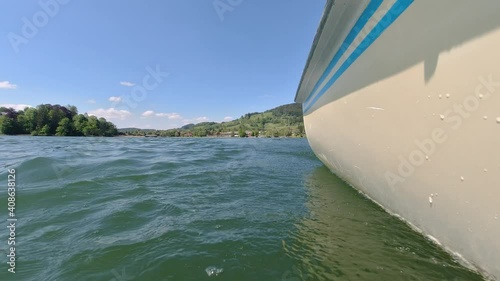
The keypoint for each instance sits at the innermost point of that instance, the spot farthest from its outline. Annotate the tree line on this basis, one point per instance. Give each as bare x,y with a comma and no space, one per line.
53,120
283,121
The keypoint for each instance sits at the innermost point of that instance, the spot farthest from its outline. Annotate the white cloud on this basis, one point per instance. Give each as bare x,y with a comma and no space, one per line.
91,101
148,113
151,113
16,106
115,99
228,118
169,115
202,119
111,113
127,84
7,85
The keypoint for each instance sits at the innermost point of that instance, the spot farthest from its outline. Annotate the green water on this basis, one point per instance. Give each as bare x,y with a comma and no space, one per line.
118,209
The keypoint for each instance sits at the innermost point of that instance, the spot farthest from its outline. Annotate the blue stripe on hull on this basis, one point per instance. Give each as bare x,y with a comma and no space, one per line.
360,24
387,20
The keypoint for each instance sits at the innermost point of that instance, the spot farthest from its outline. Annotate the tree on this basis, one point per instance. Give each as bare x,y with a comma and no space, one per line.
47,119
21,123
109,129
65,128
42,117
80,122
200,133
56,114
73,111
45,131
30,117
9,112
7,125
92,128
242,133
301,129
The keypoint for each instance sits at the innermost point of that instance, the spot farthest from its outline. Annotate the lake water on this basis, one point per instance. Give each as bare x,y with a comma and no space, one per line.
125,209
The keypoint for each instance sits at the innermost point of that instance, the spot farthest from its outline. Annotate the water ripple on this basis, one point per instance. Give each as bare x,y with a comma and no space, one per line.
192,209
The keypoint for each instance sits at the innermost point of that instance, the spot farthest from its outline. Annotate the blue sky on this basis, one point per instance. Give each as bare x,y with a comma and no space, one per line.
155,63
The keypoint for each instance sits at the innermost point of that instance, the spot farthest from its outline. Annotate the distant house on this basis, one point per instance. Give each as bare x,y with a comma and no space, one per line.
226,134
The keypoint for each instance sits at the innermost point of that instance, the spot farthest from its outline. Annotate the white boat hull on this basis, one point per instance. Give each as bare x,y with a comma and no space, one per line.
409,113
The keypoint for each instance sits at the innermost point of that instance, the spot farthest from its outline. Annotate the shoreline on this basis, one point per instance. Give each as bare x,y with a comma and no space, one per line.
192,137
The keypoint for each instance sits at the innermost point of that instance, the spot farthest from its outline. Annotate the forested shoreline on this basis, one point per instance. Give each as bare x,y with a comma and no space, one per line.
57,120
283,121
53,120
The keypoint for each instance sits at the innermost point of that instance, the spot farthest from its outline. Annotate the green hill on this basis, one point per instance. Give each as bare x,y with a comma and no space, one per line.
285,120
136,130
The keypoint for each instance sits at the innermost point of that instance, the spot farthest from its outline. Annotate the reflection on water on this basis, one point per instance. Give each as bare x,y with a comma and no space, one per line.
347,237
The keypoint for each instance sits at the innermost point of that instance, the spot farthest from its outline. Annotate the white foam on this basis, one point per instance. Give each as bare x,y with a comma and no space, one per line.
213,271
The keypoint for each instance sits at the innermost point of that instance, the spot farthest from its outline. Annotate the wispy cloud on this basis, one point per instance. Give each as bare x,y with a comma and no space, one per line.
151,113
148,113
111,113
202,119
91,101
127,84
169,115
7,85
228,118
115,99
16,106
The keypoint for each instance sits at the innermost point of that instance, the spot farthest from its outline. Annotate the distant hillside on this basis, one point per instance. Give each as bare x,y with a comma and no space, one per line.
292,109
285,120
132,130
